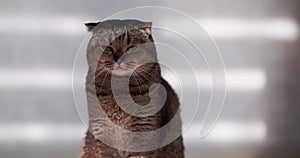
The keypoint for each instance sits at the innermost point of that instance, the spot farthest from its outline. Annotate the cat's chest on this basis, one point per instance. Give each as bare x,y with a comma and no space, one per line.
115,113
112,107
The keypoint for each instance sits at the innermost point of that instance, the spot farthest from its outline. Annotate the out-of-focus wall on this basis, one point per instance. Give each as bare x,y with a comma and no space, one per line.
259,42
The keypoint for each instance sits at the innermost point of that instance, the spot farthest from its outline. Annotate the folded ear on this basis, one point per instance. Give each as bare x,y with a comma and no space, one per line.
148,24
147,27
90,26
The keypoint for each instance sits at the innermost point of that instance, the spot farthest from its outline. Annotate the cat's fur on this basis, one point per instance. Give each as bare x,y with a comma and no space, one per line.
133,33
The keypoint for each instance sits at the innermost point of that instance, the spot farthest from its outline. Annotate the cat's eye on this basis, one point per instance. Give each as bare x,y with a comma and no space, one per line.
130,48
108,50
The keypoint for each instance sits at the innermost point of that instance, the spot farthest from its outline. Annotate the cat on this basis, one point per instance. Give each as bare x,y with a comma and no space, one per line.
114,50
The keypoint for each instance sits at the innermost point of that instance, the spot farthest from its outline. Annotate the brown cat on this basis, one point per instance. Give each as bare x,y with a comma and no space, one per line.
117,48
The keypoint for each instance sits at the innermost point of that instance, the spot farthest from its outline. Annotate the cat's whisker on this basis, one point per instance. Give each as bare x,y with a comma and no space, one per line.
145,75
99,73
145,78
141,69
140,72
104,79
140,80
137,82
130,64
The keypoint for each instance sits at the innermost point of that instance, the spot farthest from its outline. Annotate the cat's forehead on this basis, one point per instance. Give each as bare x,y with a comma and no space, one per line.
106,36
120,30
118,27
109,32
129,24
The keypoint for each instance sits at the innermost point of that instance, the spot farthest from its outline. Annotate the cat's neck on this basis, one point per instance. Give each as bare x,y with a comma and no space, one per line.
138,84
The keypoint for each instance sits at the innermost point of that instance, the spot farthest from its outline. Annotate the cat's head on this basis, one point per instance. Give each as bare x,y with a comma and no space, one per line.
121,47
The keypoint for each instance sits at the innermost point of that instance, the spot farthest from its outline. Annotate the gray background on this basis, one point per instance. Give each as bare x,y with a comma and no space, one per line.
259,42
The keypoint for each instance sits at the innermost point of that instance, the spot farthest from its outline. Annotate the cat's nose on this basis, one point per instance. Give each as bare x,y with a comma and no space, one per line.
117,55
120,60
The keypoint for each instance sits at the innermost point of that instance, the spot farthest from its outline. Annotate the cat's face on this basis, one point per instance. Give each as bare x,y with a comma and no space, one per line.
121,47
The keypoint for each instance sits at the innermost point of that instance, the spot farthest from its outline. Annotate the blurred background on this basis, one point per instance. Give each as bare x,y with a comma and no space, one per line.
258,39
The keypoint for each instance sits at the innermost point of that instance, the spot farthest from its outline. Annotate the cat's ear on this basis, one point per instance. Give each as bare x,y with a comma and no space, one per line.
147,28
90,26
